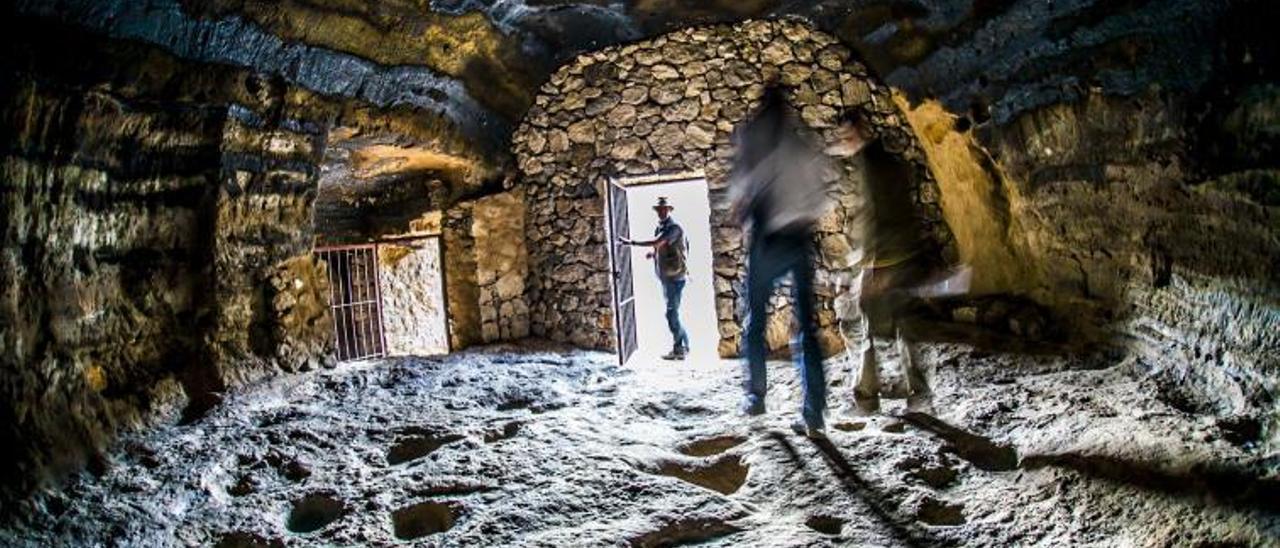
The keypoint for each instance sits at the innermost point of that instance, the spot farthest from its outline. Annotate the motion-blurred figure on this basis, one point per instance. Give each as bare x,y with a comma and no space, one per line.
778,195
670,263
895,267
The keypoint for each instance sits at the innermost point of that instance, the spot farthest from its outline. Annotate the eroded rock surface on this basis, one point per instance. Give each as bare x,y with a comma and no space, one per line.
655,455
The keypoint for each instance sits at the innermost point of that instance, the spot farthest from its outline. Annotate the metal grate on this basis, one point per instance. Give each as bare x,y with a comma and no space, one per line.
355,300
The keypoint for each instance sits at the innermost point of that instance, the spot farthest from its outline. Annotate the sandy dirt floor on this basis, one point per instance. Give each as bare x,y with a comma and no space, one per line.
546,446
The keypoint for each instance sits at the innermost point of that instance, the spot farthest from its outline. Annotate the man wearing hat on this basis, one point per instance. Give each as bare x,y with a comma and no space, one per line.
669,254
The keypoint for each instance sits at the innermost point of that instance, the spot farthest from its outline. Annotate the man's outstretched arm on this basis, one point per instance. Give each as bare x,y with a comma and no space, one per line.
645,243
659,243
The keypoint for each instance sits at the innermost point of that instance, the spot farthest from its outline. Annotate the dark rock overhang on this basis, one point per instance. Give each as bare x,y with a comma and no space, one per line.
456,76
477,63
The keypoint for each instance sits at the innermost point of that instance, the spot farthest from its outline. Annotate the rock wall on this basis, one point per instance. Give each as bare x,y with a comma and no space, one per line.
461,285
262,229
413,304
102,269
156,236
1142,215
670,105
502,265
1176,261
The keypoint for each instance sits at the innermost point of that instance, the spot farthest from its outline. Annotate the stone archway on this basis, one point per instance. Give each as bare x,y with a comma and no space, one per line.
670,105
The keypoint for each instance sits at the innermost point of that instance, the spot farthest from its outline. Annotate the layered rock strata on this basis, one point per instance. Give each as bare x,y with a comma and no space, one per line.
157,235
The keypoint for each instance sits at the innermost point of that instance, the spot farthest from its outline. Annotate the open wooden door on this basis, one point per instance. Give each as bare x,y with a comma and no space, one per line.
624,295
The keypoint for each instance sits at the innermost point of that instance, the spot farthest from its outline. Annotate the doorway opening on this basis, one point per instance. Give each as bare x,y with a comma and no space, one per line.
639,304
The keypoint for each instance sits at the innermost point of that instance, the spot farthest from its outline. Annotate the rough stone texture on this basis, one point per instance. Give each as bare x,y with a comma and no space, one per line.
1196,78
156,251
462,289
413,303
687,127
468,70
302,326
233,40
385,168
1130,237
1131,218
266,190
502,265
548,446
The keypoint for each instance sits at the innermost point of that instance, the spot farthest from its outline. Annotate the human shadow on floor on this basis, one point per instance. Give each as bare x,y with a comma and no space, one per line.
982,452
860,489
1236,487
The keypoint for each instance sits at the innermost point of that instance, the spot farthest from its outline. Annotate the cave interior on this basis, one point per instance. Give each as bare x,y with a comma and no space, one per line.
327,272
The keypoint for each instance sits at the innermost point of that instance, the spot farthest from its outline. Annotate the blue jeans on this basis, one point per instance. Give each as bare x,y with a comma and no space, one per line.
772,257
672,290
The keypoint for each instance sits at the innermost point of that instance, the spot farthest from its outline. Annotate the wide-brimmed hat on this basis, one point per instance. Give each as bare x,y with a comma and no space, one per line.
662,204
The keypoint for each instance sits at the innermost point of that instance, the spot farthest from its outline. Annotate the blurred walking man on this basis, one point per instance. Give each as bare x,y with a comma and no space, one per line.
669,256
895,266
778,194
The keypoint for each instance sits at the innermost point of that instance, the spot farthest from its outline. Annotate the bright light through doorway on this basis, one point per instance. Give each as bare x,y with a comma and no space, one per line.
693,212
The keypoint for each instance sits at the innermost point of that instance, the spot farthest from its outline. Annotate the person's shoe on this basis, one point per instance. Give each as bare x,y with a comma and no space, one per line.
674,355
811,432
751,408
865,407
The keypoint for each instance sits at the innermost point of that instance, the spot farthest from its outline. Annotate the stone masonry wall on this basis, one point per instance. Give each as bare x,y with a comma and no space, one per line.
670,105
502,264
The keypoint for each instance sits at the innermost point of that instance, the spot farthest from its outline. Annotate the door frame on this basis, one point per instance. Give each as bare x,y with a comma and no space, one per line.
626,182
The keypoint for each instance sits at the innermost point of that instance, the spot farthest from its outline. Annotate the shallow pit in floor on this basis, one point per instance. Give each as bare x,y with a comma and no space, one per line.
724,475
418,445
314,512
940,512
241,539
508,431
827,525
423,519
710,446
685,532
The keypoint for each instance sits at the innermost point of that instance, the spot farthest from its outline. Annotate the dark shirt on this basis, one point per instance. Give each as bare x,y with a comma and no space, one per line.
669,261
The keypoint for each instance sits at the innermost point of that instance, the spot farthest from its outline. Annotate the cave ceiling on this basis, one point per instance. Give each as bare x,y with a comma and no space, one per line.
471,68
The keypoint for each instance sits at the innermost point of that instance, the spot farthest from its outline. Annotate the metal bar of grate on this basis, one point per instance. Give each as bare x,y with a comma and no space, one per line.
355,300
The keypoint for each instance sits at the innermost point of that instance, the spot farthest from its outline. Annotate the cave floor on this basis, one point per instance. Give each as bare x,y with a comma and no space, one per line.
545,446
